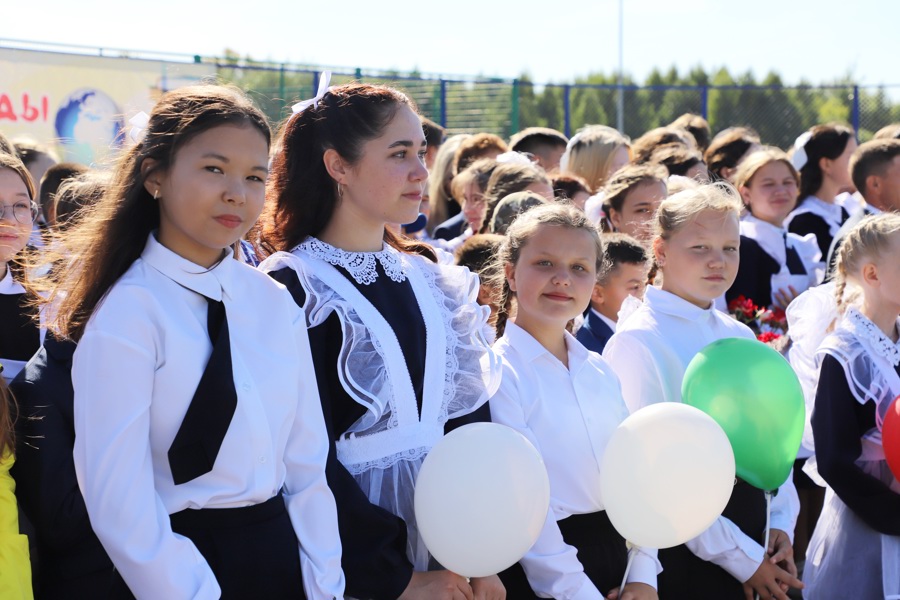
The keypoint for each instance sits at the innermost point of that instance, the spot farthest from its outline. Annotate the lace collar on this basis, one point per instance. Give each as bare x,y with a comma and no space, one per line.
871,334
361,265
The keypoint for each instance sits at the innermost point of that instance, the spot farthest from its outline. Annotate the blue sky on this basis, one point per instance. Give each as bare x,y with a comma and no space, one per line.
816,40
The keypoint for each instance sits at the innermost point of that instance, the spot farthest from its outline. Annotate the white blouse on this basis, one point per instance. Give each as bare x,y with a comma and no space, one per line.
650,352
135,372
582,404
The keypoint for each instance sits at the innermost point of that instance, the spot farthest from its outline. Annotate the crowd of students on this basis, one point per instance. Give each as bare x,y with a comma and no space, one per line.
226,358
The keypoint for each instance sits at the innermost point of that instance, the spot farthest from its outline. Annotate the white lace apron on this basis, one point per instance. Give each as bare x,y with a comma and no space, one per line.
846,558
384,449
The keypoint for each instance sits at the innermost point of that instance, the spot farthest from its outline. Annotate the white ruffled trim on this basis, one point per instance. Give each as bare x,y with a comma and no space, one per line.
830,213
360,265
471,372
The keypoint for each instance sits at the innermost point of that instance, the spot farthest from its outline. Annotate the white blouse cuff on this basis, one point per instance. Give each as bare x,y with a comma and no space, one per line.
644,569
587,591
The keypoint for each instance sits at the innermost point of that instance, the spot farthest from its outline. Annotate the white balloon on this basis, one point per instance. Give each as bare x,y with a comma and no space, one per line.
482,496
667,475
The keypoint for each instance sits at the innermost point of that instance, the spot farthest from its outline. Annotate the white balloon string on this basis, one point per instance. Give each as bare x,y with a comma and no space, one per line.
631,552
768,525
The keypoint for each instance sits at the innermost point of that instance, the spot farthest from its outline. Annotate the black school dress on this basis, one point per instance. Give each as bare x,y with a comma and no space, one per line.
401,356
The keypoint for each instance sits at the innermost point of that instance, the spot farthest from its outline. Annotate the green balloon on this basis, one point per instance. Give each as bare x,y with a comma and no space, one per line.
753,393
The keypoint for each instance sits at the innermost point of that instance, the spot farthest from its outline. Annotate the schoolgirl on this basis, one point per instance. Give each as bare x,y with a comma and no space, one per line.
855,548
697,248
399,341
631,198
22,335
728,149
553,388
200,444
15,566
822,157
775,265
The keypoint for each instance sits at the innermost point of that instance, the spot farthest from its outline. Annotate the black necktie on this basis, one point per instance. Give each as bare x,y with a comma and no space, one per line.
794,264
196,445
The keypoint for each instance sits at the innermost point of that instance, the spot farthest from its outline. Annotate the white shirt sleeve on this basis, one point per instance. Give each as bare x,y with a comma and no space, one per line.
551,565
636,370
113,379
724,544
645,567
307,496
785,508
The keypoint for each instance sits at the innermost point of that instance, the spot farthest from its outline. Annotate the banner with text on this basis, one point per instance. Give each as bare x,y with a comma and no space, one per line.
79,106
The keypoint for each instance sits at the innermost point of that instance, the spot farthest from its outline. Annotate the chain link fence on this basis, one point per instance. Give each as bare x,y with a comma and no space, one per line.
503,107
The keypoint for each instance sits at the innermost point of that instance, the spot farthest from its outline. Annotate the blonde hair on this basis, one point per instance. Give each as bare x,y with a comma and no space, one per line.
517,236
590,153
439,179
870,239
759,159
682,208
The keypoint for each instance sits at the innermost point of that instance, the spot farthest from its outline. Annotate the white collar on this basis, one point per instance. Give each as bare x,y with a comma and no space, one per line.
831,213
213,283
769,237
612,324
531,349
872,336
8,285
360,265
670,304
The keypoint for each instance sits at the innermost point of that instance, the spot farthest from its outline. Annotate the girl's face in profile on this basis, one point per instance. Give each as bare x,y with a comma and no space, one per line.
18,216
386,184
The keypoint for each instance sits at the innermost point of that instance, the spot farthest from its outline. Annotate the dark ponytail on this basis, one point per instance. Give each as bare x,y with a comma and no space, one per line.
827,141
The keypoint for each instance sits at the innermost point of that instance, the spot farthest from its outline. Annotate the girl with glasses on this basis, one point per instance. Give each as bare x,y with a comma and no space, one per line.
21,335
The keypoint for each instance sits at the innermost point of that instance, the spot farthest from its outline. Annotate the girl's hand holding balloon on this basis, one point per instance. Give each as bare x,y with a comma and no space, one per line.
781,552
771,581
635,591
488,588
437,585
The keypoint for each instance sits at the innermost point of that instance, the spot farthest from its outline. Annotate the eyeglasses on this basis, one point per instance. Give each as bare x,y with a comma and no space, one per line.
23,212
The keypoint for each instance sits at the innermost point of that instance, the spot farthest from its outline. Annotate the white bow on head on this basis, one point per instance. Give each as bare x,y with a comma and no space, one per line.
139,124
324,82
799,157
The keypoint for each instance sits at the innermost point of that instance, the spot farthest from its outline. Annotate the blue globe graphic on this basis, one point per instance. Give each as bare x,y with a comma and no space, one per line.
88,124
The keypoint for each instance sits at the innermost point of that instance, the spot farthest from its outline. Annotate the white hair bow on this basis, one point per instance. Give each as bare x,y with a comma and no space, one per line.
139,124
324,82
514,157
799,157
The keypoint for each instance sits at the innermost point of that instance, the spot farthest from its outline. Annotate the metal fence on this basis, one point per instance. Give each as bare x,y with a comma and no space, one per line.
504,106
778,113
